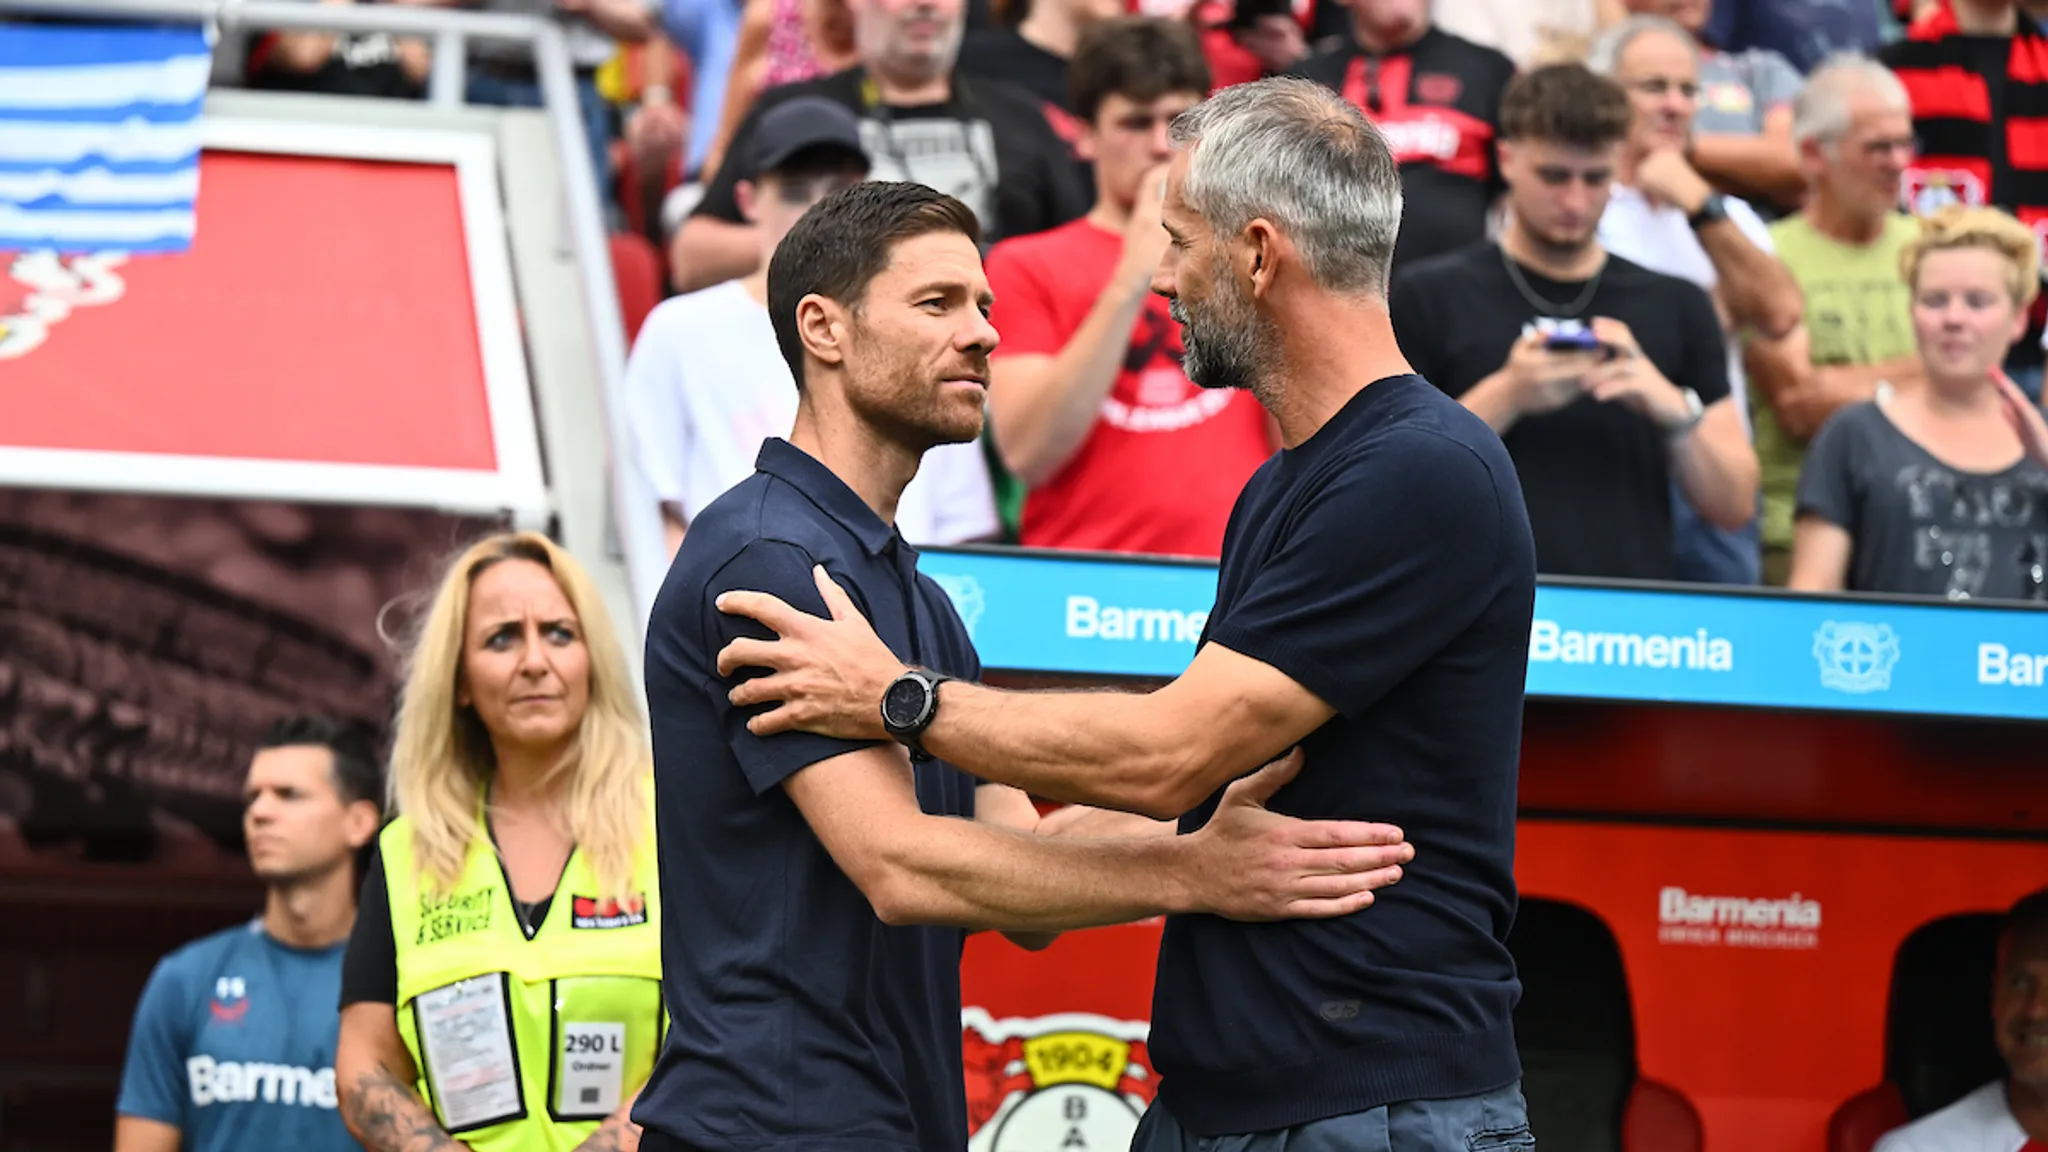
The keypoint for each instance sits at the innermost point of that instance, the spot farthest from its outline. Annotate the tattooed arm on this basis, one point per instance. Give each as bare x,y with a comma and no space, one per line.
618,1133
373,1077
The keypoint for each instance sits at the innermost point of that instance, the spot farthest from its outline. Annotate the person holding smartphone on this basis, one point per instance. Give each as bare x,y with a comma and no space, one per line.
1607,381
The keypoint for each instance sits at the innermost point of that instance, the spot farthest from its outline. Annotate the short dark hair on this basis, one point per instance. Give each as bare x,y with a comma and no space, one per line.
1564,104
1140,58
357,773
836,249
2028,918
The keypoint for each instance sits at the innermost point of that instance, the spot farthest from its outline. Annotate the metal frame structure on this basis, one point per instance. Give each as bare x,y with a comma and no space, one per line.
516,485
633,529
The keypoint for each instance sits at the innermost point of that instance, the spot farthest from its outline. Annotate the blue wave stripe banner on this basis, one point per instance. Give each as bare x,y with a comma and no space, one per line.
99,131
1091,615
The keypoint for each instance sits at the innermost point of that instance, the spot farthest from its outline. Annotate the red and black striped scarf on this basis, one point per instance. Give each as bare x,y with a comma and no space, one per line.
1952,119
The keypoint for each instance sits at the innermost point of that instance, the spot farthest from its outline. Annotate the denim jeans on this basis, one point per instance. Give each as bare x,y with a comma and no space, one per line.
1496,1121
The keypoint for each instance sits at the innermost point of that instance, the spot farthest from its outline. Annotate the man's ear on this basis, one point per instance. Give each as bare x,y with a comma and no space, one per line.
1084,143
744,194
1260,247
361,824
821,323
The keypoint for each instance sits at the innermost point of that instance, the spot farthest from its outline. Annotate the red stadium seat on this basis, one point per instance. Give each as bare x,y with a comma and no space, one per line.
636,267
1659,1118
1862,1118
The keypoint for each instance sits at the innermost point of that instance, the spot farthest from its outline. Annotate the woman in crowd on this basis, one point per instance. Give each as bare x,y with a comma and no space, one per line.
502,987
1931,491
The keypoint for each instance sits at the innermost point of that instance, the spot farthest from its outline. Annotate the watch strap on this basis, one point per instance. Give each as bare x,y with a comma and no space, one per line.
1713,209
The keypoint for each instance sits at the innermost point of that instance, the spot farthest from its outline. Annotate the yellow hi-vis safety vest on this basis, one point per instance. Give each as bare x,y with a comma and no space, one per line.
525,1045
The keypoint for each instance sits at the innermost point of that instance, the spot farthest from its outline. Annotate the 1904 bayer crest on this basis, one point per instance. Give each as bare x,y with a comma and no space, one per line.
1068,1082
1856,657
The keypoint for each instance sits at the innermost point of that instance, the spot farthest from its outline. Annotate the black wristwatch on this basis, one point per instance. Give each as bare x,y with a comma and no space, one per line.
1713,210
909,706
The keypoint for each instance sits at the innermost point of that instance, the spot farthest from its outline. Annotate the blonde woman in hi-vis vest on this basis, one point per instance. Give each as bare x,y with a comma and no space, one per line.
502,988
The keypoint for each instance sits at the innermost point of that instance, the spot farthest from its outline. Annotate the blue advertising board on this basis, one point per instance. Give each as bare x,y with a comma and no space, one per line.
1091,615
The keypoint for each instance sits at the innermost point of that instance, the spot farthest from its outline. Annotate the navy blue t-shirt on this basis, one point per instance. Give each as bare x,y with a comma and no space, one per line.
1387,566
800,1019
233,1045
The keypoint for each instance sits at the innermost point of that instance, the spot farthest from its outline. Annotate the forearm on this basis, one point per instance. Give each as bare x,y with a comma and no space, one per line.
1718,476
384,1114
974,876
1823,391
1042,417
1750,166
1492,400
707,251
1760,293
618,1133
1086,747
628,20
302,52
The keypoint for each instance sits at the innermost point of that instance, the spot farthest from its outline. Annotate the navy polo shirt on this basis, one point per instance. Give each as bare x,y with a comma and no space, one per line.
799,1019
1387,566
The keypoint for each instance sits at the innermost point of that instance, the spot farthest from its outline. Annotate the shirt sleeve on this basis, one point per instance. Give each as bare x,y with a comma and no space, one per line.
369,967
1777,81
1024,311
1826,488
1705,368
153,1078
784,571
1394,557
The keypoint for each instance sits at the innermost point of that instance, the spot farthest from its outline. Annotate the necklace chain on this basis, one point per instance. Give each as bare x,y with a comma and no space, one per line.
1545,307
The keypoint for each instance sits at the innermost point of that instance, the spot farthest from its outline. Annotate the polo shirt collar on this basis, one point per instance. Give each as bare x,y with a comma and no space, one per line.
808,475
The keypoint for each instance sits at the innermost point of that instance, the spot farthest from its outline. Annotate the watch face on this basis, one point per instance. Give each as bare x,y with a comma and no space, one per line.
903,703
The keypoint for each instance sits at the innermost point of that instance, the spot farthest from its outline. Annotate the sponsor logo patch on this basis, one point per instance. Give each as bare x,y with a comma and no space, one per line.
590,912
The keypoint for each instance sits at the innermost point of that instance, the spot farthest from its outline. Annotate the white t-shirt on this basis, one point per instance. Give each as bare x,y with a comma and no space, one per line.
1529,32
706,384
1660,239
1979,1122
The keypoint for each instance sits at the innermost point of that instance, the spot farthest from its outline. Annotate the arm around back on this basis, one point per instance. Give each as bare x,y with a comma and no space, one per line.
1246,864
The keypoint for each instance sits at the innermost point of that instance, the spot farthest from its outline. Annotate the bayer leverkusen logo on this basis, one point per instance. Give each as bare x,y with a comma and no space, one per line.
1073,1081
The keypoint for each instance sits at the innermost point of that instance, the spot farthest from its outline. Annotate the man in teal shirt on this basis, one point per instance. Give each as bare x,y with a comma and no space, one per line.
232,1048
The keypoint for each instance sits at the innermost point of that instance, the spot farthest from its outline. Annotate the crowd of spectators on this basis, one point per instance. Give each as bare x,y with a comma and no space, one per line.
1659,244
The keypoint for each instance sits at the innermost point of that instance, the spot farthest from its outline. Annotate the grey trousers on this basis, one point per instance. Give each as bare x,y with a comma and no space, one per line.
1496,1121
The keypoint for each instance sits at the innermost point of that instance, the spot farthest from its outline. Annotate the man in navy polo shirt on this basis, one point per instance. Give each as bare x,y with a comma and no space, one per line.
815,888
1373,607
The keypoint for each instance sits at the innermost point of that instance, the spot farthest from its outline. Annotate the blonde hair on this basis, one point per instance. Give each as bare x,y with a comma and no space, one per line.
1961,226
441,756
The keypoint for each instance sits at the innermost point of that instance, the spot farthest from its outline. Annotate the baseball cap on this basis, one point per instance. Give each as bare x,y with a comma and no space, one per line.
800,125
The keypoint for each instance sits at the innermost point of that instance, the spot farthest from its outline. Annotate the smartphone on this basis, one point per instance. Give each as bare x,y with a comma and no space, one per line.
1579,340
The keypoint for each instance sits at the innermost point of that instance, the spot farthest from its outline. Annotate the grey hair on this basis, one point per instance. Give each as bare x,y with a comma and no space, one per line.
1296,153
1821,110
1605,56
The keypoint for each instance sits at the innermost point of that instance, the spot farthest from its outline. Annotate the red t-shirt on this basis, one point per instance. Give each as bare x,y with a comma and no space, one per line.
1166,460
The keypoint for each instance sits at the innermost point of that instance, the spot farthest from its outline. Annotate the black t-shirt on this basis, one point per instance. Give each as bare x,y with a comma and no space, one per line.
1597,476
362,65
1387,566
1438,103
800,1019
990,146
1002,54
